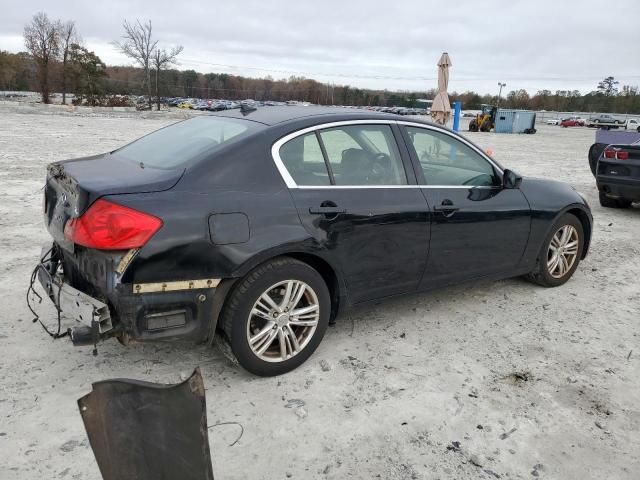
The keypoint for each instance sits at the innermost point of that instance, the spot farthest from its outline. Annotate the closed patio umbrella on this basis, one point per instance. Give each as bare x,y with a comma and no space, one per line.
441,108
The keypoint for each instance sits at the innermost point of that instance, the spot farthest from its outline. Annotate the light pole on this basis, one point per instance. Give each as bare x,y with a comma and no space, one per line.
500,84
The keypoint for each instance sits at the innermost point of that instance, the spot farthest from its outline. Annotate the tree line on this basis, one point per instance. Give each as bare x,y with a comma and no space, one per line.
56,60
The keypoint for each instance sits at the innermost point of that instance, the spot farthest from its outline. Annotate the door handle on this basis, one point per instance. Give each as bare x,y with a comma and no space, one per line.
326,210
446,207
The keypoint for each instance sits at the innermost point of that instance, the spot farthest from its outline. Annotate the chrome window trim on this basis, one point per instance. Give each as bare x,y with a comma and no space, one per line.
290,182
324,187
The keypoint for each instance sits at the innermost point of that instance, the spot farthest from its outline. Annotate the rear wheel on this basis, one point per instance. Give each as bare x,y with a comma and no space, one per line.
560,253
276,317
609,202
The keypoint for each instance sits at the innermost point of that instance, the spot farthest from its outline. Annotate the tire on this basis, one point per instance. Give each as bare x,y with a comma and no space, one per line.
473,126
552,276
486,127
239,322
608,202
638,129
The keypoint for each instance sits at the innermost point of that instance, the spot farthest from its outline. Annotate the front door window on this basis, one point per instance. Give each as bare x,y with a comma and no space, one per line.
446,160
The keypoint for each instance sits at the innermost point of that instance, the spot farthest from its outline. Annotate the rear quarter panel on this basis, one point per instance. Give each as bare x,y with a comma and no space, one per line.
241,180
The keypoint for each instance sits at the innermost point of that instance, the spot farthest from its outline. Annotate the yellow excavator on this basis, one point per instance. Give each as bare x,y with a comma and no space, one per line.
485,120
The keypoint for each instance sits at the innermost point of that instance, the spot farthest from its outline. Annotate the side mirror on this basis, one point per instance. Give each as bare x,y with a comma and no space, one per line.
511,179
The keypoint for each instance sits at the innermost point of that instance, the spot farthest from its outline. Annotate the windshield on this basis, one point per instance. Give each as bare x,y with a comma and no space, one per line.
186,141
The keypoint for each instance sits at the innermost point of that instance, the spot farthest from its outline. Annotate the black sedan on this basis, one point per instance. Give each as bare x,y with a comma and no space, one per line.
263,225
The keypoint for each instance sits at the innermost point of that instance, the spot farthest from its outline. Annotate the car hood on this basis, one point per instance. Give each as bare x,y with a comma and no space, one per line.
544,194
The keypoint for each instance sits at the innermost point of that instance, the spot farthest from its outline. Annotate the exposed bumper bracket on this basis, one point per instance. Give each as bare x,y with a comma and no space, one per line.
175,286
74,303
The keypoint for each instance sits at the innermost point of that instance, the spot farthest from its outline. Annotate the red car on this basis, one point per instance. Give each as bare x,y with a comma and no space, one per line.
572,122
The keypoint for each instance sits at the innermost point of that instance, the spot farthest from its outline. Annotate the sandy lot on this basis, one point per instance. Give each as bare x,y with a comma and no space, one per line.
490,380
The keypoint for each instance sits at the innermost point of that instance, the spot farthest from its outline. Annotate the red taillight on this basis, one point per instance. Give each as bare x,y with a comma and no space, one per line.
109,226
616,153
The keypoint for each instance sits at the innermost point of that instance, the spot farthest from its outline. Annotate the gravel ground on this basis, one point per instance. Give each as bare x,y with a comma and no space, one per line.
490,380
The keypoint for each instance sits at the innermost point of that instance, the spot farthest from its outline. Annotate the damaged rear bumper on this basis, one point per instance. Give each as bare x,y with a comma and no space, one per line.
93,315
85,286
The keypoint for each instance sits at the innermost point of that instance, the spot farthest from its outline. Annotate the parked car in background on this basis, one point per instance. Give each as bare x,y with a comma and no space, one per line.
553,121
632,124
201,105
217,106
573,121
618,175
604,119
262,225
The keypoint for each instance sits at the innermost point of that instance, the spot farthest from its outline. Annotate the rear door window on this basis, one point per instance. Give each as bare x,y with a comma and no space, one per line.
363,155
302,156
353,155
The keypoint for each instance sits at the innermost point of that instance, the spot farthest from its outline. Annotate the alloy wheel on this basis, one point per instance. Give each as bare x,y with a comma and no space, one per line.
283,320
563,251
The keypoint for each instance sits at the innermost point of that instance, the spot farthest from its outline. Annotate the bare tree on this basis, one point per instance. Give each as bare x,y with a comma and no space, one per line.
68,36
161,60
42,39
139,45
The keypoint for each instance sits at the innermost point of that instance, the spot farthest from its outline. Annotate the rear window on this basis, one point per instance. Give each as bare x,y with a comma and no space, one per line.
187,141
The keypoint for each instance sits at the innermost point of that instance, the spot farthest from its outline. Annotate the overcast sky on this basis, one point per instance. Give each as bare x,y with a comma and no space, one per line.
552,44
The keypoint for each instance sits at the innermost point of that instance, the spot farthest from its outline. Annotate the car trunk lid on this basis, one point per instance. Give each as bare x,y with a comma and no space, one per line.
73,185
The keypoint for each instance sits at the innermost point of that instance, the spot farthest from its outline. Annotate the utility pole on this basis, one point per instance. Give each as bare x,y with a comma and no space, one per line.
500,84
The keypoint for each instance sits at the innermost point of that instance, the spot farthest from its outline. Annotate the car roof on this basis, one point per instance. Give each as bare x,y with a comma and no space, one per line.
273,115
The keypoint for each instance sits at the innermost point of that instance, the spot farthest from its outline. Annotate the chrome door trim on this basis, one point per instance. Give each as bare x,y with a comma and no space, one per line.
290,182
334,187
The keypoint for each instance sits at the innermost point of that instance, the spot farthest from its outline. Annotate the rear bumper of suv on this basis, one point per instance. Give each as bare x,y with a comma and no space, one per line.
95,310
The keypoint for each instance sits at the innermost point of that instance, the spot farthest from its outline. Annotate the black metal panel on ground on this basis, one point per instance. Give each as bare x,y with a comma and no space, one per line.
147,431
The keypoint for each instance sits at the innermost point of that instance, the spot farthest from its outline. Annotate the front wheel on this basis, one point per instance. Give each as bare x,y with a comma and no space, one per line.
276,317
473,126
560,253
